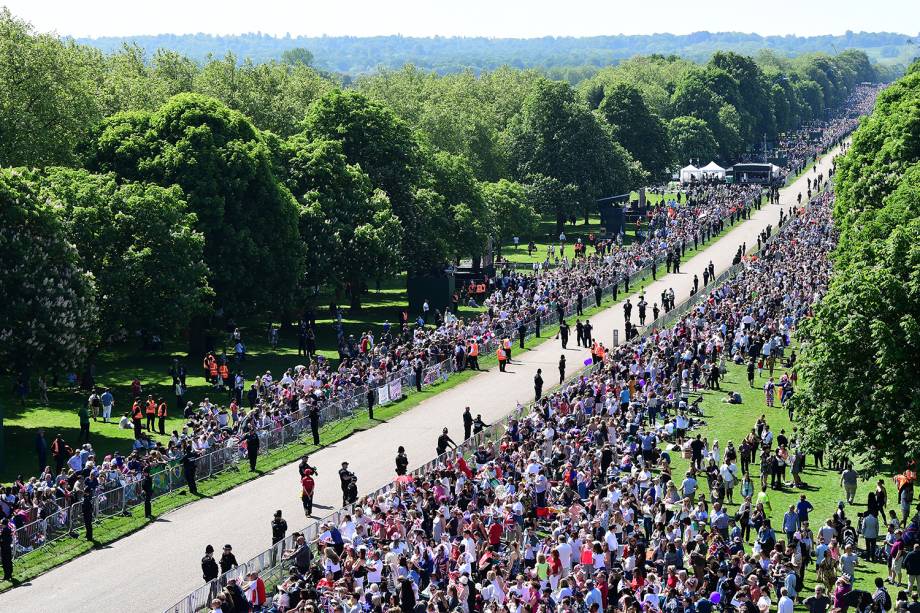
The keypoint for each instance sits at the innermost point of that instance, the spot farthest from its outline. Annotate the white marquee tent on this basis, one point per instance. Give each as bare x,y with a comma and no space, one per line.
690,173
712,171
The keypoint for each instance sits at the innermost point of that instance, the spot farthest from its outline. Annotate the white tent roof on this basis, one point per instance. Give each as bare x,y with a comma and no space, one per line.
690,168
712,166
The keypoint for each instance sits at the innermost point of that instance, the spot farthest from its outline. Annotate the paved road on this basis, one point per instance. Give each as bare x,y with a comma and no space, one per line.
156,566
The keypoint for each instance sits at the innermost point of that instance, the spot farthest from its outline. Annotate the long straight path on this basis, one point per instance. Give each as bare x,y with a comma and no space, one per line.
154,567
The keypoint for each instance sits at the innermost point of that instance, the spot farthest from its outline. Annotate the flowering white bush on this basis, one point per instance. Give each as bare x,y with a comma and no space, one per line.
48,315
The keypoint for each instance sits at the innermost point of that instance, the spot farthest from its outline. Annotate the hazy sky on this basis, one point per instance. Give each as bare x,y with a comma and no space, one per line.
496,18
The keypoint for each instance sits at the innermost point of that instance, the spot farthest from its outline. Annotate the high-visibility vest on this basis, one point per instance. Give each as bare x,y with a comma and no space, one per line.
136,412
213,369
474,349
161,410
224,372
151,407
501,354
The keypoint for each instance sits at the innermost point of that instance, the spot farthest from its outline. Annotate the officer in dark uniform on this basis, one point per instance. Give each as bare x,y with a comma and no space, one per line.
304,466
346,477
87,508
538,384
279,527
561,369
314,423
6,551
147,487
444,441
402,461
467,423
189,464
564,333
252,447
209,570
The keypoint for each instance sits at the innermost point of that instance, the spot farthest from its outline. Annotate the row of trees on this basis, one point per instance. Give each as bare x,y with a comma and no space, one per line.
175,191
862,347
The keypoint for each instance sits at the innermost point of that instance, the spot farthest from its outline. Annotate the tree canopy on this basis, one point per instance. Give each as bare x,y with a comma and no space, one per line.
219,159
863,343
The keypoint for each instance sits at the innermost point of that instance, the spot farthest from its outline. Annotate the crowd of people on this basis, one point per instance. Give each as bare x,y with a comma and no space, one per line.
575,505
813,138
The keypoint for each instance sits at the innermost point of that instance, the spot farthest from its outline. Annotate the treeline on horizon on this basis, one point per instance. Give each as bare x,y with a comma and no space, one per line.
861,349
567,58
149,194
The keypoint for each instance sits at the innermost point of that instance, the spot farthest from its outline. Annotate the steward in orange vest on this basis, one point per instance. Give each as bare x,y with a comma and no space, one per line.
151,412
472,360
137,416
161,416
502,359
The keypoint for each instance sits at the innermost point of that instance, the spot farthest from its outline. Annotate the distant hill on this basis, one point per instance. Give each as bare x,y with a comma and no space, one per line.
352,55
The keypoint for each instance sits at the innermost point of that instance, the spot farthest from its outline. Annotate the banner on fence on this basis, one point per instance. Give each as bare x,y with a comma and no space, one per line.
395,389
383,394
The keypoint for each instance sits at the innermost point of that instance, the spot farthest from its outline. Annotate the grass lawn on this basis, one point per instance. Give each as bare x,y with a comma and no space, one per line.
727,422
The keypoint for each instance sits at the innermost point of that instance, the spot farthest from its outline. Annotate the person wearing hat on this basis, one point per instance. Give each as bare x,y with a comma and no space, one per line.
209,570
279,527
227,560
346,479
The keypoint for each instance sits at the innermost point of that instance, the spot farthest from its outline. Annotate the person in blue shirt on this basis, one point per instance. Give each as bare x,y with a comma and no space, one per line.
624,399
790,523
593,595
803,507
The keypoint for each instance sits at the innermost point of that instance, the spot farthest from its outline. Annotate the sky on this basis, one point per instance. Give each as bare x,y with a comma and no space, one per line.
492,18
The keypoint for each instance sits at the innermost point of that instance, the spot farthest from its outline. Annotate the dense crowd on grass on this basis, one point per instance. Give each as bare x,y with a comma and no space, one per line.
575,506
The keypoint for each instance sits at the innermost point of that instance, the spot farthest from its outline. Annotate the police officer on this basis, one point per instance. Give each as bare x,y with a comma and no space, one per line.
189,465
538,384
252,447
444,441
561,369
346,477
564,333
304,466
314,423
209,570
6,551
87,508
467,423
402,461
147,487
279,527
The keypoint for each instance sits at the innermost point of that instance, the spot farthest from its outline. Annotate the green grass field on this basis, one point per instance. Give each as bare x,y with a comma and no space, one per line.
728,422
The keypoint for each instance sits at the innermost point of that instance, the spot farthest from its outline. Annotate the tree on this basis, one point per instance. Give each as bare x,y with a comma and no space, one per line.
453,178
861,347
350,231
691,139
550,196
297,55
47,96
224,168
373,138
555,135
640,131
48,314
510,210
139,243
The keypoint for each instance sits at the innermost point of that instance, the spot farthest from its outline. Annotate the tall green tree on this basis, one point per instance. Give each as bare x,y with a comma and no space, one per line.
349,230
861,348
48,315
691,140
549,196
219,159
555,135
375,139
139,243
510,210
635,127
48,99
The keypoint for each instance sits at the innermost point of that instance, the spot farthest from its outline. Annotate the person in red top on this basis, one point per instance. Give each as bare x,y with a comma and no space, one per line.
306,496
495,535
255,591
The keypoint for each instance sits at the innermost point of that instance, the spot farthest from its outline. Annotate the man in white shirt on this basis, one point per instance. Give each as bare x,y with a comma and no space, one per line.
565,554
785,604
